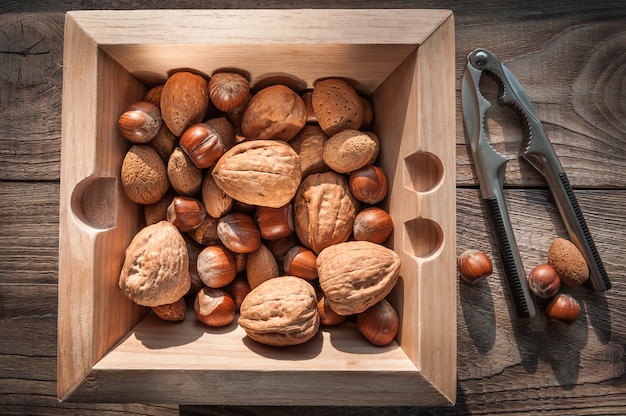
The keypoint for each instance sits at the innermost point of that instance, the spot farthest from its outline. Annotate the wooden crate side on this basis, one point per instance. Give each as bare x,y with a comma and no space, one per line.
323,26
92,314
75,324
437,294
415,117
113,313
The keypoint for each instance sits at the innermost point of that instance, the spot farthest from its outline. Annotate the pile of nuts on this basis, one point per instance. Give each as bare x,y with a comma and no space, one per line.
262,205
565,267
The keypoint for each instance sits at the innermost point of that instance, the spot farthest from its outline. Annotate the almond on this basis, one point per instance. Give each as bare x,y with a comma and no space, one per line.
144,175
568,262
184,101
337,106
349,150
275,112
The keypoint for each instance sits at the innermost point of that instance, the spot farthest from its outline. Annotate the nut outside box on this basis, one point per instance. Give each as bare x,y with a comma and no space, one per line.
111,350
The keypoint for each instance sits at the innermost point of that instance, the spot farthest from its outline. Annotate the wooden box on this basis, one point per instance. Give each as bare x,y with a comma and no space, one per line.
111,350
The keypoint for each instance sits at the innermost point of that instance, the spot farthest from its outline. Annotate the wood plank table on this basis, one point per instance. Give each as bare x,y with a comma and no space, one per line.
571,58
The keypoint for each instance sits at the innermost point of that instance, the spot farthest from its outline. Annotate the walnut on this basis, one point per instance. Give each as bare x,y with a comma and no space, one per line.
356,275
281,312
156,266
324,210
259,172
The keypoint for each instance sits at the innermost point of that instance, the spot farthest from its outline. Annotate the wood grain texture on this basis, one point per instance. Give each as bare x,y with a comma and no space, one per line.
580,104
570,58
504,365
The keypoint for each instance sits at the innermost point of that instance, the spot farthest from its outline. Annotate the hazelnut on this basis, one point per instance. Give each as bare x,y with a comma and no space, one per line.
154,96
328,316
171,311
275,223
368,113
543,281
379,323
164,142
193,251
301,262
140,122
217,266
206,232
369,184
235,115
239,289
228,90
203,144
563,308
568,262
238,232
214,307
156,212
372,224
186,213
280,247
307,97
474,265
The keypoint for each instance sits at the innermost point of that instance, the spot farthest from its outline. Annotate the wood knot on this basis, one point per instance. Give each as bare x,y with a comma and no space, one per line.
598,90
24,55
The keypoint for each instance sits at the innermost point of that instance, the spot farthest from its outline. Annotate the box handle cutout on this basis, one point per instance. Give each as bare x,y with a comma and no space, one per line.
94,202
423,171
422,237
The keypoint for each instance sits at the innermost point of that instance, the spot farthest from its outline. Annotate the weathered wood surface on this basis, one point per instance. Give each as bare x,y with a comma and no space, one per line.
571,58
